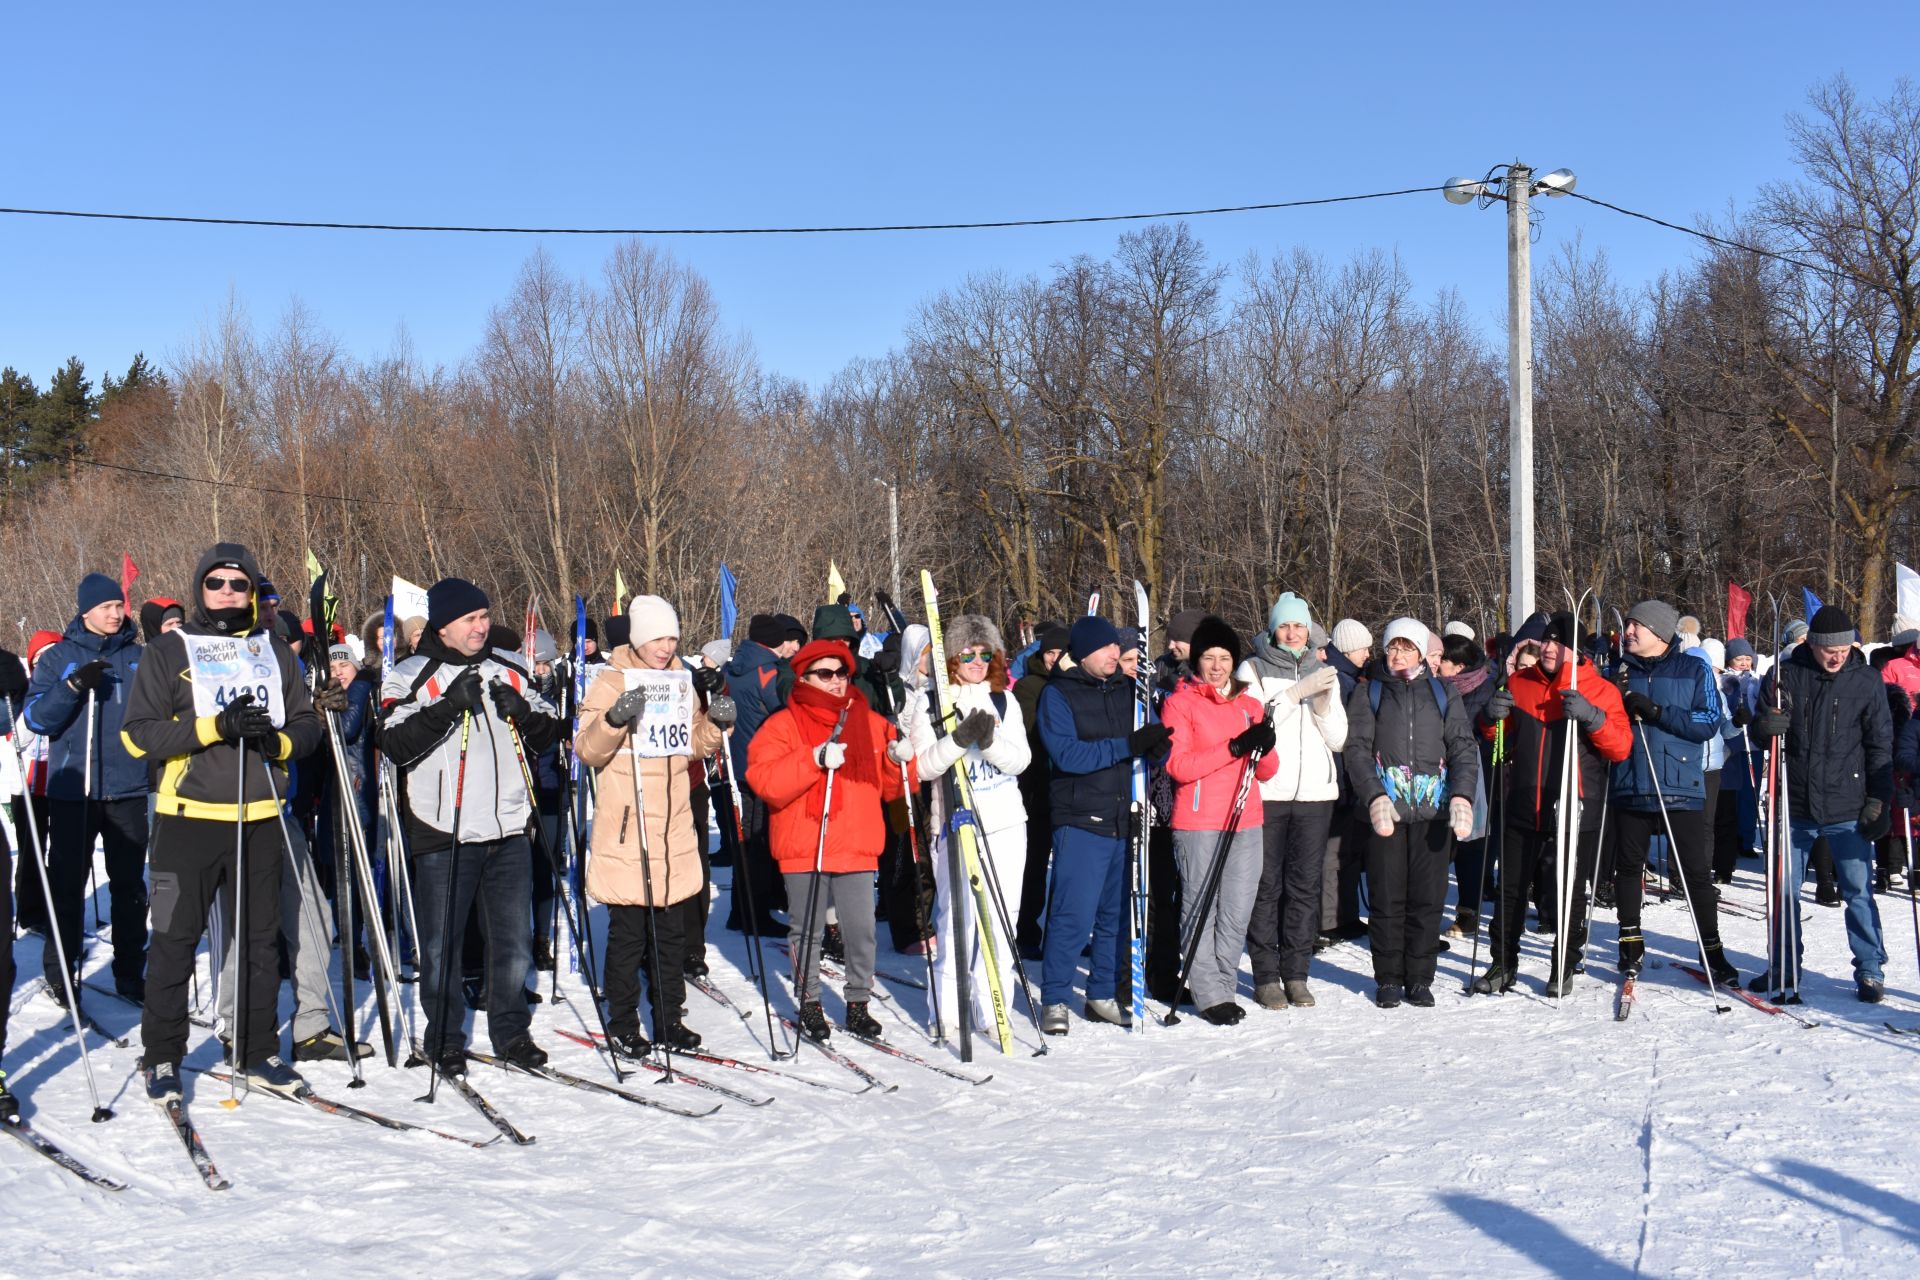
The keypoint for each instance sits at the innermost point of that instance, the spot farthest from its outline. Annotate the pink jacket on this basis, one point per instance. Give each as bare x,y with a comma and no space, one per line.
1206,774
1904,674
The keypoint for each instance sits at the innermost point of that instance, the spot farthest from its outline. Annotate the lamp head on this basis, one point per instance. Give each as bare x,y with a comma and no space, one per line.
1560,182
1463,190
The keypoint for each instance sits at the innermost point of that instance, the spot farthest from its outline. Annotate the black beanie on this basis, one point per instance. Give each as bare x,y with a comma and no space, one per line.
1181,625
1562,627
763,629
1212,633
452,598
790,628
619,628
1829,627
1052,636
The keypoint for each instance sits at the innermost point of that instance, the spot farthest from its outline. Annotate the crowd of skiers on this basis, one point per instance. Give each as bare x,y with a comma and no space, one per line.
1286,794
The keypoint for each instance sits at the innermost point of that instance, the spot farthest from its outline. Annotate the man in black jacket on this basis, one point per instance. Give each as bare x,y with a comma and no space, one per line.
1839,743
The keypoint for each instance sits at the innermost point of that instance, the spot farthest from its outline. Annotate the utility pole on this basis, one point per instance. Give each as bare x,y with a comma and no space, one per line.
1520,394
893,531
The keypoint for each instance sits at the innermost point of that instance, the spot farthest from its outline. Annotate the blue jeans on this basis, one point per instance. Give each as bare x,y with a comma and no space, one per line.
498,872
1088,894
1853,871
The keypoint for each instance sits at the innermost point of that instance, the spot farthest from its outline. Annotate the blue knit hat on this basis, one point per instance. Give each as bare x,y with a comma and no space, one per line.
95,590
1288,608
1089,635
1740,647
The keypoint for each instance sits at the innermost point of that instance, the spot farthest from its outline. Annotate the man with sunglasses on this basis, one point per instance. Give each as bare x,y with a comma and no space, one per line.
221,705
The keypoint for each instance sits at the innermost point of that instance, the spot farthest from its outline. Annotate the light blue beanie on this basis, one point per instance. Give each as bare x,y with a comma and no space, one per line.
1288,608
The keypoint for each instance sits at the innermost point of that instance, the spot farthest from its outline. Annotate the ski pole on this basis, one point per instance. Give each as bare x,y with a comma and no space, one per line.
926,943
238,1055
810,927
1498,803
743,881
1913,895
93,887
362,872
991,874
1706,966
657,977
447,949
1211,886
100,1113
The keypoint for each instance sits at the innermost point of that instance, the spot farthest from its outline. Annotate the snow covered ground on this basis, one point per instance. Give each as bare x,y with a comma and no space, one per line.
1486,1136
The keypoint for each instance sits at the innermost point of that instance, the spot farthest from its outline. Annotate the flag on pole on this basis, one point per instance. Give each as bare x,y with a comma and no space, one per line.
128,572
314,569
729,612
1738,602
836,585
619,592
409,601
1907,595
1811,603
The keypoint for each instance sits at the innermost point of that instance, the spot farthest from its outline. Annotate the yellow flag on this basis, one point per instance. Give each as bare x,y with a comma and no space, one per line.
619,592
835,583
314,570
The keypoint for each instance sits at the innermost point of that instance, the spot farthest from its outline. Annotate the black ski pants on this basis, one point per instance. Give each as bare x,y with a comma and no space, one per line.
1527,865
1690,859
631,933
1286,909
29,902
1406,893
121,827
193,860
768,888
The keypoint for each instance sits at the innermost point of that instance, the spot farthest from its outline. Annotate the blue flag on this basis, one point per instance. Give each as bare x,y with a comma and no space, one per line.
728,613
1812,603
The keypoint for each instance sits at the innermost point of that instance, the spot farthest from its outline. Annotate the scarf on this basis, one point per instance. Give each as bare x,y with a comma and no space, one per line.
1467,681
815,711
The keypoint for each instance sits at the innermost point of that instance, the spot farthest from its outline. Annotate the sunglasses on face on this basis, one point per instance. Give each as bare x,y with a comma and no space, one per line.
228,584
827,675
977,655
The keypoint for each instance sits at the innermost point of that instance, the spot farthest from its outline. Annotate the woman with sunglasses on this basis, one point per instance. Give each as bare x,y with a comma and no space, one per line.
984,733
827,857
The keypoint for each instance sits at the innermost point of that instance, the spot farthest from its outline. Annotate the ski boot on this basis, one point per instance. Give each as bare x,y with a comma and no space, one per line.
9,1105
695,967
452,1061
833,946
1055,1020
1633,952
163,1083
1723,973
328,1046
629,1043
1870,990
678,1036
1223,1015
274,1075
860,1022
1498,979
521,1051
1560,984
814,1022
1107,1011
543,955
1388,995
1420,995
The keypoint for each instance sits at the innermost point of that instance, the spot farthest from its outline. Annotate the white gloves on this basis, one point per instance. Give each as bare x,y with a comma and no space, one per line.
900,751
1381,812
1310,686
1460,810
831,755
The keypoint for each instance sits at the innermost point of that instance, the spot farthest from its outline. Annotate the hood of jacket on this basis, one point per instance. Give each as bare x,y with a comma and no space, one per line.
205,623
1272,662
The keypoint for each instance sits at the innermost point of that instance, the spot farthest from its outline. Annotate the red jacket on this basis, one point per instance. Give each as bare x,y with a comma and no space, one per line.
782,771
1205,772
1536,739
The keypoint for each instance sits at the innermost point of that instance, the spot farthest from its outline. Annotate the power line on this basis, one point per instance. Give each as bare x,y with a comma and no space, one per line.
304,225
1725,243
285,493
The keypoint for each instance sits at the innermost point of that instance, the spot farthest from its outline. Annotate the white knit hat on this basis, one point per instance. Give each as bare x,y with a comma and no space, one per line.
1716,653
1411,630
650,618
1458,628
1349,635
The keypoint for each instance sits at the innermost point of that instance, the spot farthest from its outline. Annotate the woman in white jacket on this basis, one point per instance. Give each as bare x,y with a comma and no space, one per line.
1310,728
990,737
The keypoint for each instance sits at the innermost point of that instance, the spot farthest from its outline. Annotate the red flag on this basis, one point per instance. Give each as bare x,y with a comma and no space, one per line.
1737,602
128,572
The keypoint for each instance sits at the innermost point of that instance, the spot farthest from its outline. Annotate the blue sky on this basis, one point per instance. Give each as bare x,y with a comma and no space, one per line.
747,114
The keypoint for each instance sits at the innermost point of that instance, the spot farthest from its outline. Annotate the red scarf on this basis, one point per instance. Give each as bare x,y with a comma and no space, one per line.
816,711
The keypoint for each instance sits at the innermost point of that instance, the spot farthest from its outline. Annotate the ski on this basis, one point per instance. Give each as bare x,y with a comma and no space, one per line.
834,973
1623,1003
1764,1006
479,1103
706,988
745,1099
916,1060
572,1081
86,1019
714,1059
1142,812
1901,1031
38,1142
176,1114
838,1058
341,1109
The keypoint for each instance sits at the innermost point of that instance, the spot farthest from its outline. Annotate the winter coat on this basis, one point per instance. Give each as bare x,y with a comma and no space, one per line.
1205,772
1349,674
1840,742
423,736
1084,725
1036,778
1682,686
759,682
993,772
58,714
614,874
1903,673
1536,744
1308,736
1409,736
783,770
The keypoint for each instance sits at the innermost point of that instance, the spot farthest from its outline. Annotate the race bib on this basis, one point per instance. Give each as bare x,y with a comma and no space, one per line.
664,726
224,667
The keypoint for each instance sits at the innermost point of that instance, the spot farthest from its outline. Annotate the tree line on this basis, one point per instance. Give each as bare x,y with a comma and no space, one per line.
1221,431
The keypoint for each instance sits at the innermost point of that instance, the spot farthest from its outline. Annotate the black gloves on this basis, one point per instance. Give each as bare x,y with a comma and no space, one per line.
1772,722
1741,716
1257,736
89,677
1876,819
1641,707
464,693
627,706
1576,708
1499,706
509,702
976,730
708,680
332,698
13,677
243,718
1149,740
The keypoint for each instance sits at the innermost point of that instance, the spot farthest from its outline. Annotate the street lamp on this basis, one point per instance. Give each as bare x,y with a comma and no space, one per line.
1516,186
893,530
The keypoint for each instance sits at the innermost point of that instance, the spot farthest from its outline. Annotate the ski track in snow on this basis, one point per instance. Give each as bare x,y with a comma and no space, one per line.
1487,1136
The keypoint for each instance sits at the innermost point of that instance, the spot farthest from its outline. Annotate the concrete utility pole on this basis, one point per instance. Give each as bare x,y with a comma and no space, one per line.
893,531
1520,395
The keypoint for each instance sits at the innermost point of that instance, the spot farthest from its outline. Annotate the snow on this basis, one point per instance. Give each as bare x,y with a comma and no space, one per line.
1487,1136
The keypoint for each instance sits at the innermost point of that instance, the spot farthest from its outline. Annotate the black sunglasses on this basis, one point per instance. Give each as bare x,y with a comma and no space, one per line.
228,584
827,673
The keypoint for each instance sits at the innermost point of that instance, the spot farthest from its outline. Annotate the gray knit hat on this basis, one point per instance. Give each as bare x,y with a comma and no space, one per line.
1317,637
1830,628
1656,616
1349,635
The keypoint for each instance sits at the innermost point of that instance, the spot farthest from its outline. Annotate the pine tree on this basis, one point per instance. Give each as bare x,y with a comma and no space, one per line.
57,427
140,375
18,396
